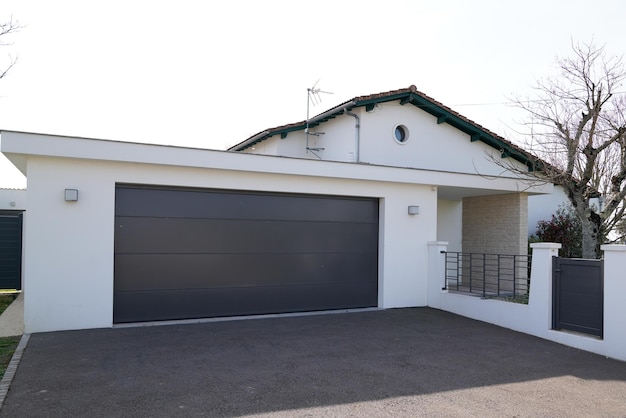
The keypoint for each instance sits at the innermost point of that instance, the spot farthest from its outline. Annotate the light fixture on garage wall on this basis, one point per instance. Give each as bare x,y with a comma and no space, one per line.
414,210
71,195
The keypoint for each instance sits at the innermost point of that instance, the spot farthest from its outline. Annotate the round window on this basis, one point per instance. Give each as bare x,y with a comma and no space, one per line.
401,134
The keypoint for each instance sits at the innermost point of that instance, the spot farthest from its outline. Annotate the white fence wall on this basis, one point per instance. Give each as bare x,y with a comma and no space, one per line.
536,317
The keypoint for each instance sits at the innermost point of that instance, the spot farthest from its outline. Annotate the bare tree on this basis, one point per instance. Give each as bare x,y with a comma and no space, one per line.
6,29
577,125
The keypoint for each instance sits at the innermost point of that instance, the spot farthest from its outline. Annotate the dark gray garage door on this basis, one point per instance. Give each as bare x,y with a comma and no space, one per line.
183,253
11,250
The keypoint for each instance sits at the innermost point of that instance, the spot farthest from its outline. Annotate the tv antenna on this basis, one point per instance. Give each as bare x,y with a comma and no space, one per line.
313,96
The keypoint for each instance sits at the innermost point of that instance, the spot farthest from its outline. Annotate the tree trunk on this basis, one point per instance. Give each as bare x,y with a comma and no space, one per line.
591,235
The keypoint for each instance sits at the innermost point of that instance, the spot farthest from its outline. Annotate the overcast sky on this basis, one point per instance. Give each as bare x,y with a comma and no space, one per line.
210,74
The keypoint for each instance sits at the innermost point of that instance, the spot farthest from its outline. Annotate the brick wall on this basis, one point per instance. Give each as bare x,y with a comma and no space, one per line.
496,224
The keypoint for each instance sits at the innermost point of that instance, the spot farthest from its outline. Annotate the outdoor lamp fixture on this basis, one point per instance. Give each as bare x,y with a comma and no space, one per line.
414,210
71,195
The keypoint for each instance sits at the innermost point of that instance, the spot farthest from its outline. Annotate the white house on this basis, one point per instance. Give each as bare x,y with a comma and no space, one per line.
121,232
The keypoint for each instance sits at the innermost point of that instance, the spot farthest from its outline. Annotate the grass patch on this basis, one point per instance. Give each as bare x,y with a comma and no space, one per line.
7,348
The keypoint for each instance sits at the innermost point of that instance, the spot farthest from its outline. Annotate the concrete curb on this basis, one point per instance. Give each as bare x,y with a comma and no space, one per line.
5,383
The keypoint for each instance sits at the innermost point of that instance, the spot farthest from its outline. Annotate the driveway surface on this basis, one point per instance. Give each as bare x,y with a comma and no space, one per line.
400,363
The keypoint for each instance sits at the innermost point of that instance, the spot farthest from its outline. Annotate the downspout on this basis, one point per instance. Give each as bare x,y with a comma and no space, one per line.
357,134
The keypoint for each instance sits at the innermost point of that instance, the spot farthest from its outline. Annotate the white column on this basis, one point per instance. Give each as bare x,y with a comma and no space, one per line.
615,300
436,272
540,296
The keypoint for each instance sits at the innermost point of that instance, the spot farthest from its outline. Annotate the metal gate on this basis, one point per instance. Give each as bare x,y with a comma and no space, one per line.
578,295
10,250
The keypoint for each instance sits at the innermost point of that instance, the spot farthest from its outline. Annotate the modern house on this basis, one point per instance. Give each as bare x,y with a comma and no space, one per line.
331,213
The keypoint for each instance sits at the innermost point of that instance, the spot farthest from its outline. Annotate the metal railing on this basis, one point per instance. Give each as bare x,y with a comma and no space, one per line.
488,275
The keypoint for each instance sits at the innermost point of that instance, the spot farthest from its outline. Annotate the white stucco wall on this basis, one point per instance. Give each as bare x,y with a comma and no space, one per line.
12,199
450,223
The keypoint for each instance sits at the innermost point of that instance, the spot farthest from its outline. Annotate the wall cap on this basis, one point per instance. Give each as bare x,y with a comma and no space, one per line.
440,243
546,245
613,247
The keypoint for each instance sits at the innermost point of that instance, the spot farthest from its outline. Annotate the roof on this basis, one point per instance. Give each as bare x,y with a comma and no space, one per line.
416,98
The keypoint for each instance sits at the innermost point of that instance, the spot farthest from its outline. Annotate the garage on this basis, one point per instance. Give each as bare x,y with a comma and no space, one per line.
201,253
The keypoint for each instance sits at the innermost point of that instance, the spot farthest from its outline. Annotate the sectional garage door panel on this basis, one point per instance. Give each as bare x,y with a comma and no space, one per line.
152,272
206,303
182,236
220,204
183,253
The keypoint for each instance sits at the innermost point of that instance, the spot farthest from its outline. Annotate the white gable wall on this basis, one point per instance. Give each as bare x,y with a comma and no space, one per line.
430,145
336,138
269,147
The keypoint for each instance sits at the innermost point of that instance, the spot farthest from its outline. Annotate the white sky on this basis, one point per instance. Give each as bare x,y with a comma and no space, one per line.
210,74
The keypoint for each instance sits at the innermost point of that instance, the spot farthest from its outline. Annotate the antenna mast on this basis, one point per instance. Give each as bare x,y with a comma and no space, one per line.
313,96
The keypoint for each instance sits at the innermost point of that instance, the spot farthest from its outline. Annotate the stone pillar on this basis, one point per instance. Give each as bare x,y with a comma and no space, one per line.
615,300
436,272
540,295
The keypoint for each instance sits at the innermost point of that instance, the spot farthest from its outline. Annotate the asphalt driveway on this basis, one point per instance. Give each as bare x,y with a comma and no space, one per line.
401,362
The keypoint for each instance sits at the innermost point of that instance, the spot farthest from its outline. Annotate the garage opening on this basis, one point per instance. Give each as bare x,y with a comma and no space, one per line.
201,253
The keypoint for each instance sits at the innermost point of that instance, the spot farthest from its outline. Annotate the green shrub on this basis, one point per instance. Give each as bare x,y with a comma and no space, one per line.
565,228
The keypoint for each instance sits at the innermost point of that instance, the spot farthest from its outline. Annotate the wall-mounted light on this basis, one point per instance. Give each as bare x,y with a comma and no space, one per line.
414,210
71,195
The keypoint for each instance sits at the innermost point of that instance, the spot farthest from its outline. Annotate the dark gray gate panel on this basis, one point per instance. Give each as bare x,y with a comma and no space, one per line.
10,250
578,295
203,253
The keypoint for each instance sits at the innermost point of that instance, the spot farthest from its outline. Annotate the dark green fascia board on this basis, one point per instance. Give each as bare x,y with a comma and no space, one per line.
284,132
442,119
280,132
405,100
